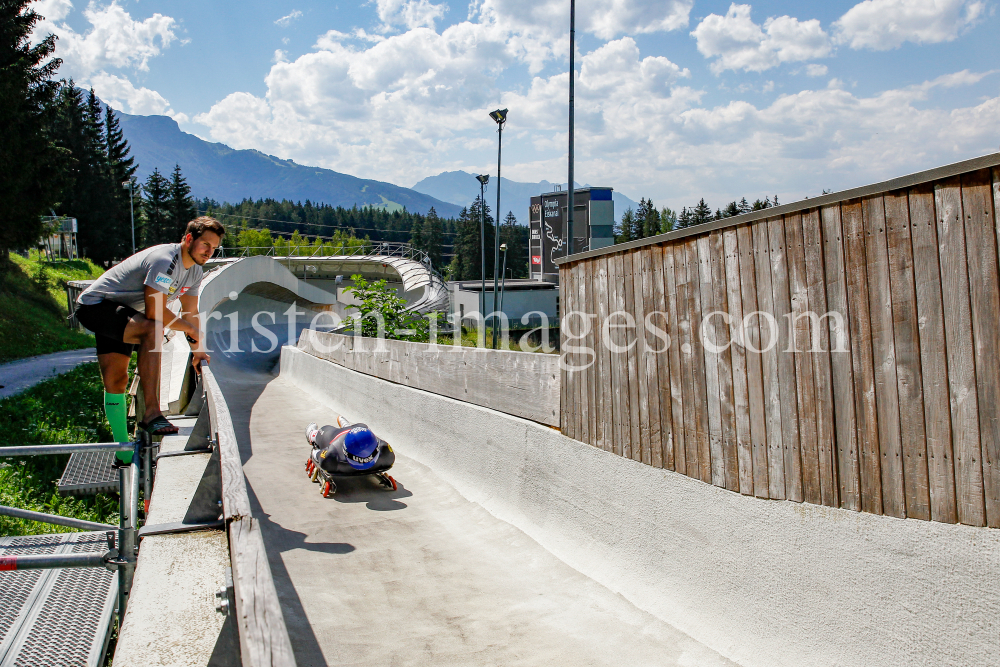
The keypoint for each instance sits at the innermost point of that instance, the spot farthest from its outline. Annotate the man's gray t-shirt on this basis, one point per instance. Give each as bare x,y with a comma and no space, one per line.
159,267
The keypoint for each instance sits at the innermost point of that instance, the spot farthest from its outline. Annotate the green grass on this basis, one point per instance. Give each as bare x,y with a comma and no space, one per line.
33,306
66,409
470,338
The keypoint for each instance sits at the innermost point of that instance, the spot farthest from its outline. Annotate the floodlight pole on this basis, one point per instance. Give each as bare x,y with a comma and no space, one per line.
503,275
483,180
500,116
572,77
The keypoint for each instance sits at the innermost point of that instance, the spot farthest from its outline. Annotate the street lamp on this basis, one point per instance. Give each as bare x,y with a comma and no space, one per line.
130,185
503,277
500,117
483,180
572,76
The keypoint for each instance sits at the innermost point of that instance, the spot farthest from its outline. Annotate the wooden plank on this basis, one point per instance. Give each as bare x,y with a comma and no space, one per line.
861,355
662,347
740,395
700,381
235,502
769,361
706,334
684,308
565,290
730,456
603,380
613,357
883,356
263,635
641,453
651,357
812,239
674,351
841,360
933,355
593,344
907,341
750,337
800,331
631,363
791,449
580,304
961,356
984,293
623,416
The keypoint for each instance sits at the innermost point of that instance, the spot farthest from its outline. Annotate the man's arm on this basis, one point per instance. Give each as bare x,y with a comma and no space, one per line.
190,314
157,311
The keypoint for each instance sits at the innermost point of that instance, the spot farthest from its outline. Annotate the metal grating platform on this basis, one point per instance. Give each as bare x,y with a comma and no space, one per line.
55,618
88,473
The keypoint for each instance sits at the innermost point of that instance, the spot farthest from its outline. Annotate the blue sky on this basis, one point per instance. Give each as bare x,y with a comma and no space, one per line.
676,99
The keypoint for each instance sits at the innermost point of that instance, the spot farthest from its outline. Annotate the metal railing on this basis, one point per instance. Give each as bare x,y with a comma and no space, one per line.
122,558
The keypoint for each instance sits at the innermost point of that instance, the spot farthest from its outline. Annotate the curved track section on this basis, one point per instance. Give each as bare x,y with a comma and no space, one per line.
421,575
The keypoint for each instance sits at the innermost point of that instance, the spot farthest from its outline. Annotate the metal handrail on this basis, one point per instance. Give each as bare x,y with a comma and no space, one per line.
45,450
54,519
367,249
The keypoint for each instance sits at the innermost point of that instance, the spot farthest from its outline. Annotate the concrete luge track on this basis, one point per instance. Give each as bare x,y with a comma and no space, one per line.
419,576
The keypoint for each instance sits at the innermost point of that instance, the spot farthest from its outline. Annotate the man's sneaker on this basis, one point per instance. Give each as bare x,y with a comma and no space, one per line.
311,432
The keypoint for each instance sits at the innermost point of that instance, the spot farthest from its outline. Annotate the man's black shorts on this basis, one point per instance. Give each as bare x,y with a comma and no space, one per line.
108,320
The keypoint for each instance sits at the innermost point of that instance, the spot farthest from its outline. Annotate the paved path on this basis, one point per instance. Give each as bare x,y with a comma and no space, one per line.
419,576
19,375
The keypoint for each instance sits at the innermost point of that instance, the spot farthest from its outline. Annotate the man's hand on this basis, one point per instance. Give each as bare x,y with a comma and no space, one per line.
197,358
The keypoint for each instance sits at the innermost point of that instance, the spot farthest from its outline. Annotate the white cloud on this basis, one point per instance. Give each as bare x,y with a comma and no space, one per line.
886,24
280,56
121,94
113,40
285,21
409,13
814,69
737,43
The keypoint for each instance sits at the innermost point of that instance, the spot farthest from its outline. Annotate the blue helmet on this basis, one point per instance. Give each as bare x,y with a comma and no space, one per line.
361,447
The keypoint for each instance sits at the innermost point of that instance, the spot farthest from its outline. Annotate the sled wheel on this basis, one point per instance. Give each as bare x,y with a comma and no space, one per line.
392,481
326,490
309,468
315,473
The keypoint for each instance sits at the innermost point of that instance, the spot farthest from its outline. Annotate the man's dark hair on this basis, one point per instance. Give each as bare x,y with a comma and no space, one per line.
199,226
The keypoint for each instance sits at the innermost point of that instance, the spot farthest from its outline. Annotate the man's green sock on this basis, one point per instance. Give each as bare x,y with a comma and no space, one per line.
114,409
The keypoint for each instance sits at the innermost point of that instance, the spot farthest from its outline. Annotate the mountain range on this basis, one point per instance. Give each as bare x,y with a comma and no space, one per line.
461,188
229,175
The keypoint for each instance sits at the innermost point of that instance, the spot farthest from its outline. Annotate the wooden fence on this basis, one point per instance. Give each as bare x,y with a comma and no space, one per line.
886,399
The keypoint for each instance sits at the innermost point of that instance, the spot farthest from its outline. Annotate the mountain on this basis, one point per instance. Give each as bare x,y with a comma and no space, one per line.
229,175
461,188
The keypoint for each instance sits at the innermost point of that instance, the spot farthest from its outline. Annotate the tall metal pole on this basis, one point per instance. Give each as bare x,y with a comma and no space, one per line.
503,274
496,227
482,247
572,82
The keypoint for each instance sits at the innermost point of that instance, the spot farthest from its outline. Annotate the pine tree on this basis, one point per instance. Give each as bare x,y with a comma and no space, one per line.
467,261
684,219
732,208
701,213
743,206
417,237
182,209
516,238
625,229
433,231
648,218
157,227
31,164
122,169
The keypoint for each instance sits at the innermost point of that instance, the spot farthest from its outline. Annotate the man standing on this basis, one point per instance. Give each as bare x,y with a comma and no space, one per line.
126,308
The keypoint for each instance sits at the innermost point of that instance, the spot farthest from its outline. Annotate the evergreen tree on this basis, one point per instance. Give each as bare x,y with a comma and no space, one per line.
668,220
157,225
732,208
743,206
701,213
516,238
684,219
31,164
417,237
433,233
467,261
759,205
182,208
648,218
625,228
122,169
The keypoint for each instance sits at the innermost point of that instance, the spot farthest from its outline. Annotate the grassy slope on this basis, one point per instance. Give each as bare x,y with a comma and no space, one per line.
66,409
33,307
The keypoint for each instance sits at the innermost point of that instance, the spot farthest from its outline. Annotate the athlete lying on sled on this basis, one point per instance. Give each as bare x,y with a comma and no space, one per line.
347,450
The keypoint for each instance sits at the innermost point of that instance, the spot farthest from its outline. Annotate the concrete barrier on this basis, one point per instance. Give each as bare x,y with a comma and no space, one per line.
766,583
